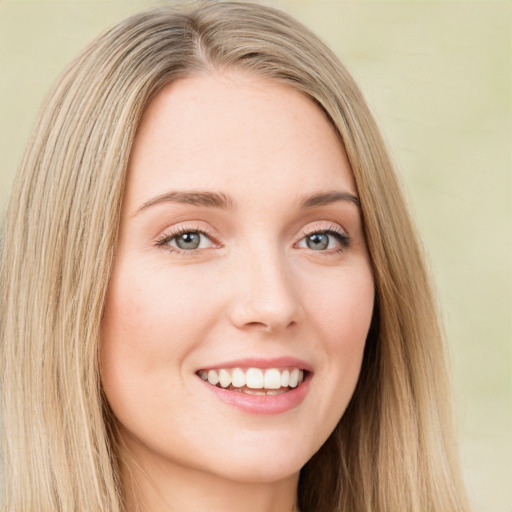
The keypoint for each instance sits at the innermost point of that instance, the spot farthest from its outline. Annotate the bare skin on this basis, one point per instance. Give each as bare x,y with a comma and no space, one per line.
241,244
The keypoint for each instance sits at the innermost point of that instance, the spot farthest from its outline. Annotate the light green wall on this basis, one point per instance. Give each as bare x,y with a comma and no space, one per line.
438,75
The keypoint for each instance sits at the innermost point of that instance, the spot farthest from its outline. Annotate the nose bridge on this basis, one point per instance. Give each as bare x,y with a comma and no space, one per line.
267,296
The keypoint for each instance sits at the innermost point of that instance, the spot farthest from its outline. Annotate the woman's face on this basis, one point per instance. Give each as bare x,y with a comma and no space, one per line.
242,258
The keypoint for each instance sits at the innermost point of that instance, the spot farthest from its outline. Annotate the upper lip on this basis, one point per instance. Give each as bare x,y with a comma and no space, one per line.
253,362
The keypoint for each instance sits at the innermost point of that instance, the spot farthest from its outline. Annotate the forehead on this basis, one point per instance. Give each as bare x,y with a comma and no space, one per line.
235,133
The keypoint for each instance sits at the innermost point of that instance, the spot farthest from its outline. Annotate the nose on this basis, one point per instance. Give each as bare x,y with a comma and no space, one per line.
266,295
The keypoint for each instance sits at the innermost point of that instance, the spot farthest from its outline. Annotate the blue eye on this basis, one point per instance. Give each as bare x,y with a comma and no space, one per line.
318,241
188,240
324,240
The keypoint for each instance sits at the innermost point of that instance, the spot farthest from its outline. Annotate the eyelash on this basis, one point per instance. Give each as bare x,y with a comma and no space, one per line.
332,230
164,240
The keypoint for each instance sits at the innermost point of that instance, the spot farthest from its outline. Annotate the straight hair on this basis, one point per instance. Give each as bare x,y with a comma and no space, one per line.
394,448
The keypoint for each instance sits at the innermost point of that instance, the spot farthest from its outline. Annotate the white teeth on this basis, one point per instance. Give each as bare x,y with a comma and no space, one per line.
224,378
238,378
254,378
294,378
272,379
213,378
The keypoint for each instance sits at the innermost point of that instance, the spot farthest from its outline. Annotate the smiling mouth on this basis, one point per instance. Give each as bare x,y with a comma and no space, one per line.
254,381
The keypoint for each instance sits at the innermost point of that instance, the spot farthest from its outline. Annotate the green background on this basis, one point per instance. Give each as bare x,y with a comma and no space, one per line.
438,77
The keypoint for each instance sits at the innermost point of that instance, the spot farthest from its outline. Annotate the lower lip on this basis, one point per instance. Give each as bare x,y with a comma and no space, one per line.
262,404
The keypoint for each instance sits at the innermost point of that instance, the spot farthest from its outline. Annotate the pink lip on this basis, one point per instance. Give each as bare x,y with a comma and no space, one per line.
252,362
263,404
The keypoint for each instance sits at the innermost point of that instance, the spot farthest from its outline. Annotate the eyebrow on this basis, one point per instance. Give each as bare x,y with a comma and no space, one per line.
326,198
225,202
208,199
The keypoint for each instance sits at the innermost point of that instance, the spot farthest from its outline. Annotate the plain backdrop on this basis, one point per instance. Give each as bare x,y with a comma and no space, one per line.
438,77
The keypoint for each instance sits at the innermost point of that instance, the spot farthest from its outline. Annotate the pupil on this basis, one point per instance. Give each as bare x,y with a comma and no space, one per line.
188,241
317,241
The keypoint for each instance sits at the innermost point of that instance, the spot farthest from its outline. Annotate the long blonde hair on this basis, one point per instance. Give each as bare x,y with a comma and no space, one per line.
393,450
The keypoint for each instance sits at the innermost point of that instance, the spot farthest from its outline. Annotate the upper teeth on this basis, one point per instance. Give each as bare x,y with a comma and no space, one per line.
253,378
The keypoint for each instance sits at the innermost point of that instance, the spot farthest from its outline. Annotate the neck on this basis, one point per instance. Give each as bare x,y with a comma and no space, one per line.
169,487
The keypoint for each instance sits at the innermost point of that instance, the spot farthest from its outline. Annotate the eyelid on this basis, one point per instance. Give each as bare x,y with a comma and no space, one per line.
174,231
329,228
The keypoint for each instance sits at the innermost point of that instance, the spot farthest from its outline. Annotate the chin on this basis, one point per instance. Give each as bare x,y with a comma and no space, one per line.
259,471
263,462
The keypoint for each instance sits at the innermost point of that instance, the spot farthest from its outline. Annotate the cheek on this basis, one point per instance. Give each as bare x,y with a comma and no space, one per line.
154,317
341,314
139,349
129,328
141,322
146,311
342,308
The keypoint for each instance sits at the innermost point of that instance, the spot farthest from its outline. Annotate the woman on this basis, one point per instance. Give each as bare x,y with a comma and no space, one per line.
212,292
